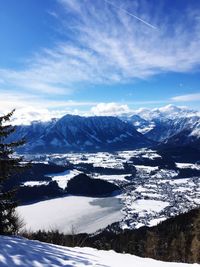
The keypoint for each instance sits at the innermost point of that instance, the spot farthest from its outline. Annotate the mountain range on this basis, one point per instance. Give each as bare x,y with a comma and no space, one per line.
75,133
170,125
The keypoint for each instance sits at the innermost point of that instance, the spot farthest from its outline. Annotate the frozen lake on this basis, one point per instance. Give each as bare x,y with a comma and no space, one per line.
82,214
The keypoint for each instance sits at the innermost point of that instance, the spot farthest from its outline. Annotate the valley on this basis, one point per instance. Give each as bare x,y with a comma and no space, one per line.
152,186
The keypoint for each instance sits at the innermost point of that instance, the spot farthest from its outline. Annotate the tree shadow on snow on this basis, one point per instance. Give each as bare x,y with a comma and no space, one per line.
16,251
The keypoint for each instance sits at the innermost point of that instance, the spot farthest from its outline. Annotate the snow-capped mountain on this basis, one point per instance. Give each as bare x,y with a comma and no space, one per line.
169,111
75,133
160,124
142,125
186,137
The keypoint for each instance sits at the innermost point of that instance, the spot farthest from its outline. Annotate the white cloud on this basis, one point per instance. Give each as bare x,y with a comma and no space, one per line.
109,109
32,107
116,47
27,115
187,98
106,45
53,14
17,100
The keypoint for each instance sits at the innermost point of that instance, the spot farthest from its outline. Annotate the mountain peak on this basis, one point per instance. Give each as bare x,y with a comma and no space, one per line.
160,124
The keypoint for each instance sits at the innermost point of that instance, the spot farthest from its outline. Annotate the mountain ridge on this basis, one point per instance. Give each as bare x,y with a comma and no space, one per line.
76,133
161,124
142,128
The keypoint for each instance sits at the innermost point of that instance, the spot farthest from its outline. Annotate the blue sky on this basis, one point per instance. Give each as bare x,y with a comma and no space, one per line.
60,56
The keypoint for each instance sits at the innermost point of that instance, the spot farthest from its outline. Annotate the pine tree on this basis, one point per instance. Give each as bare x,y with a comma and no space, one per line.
9,164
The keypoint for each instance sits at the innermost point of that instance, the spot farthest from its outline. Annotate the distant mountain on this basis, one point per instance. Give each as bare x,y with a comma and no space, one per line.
142,125
186,137
75,133
167,125
163,123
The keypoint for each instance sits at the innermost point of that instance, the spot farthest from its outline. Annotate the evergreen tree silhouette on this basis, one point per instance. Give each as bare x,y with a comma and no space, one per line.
9,164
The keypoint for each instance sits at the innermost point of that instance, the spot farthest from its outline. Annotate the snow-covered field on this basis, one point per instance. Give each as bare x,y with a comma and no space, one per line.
71,213
149,205
35,183
113,178
188,165
63,178
19,252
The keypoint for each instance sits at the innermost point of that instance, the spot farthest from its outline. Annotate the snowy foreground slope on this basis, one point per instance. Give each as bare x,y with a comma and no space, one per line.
22,252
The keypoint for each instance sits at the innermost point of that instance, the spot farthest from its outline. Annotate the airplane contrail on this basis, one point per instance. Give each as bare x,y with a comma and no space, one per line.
132,15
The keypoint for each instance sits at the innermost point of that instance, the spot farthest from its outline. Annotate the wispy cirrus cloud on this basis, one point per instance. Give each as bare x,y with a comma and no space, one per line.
107,46
38,79
20,100
186,98
116,47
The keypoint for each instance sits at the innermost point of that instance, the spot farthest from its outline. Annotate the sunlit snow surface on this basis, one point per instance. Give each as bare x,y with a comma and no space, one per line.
35,183
188,165
63,178
15,252
149,205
